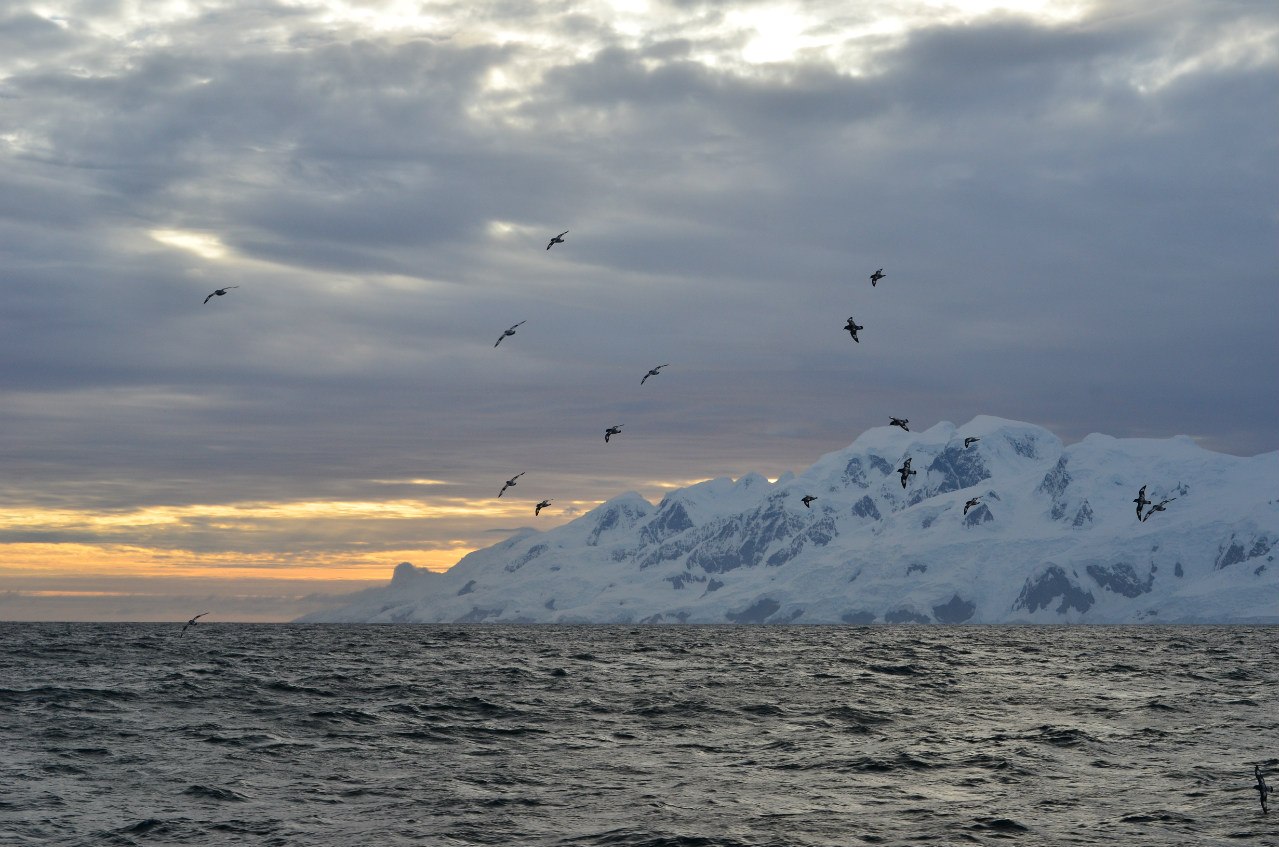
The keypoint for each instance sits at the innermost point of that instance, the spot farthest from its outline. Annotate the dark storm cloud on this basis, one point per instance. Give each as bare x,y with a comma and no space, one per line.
1077,221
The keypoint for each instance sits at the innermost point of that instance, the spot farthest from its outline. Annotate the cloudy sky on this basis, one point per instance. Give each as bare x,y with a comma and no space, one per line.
1076,205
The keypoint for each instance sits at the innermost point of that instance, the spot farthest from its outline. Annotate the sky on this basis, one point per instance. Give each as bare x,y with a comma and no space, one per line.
1076,206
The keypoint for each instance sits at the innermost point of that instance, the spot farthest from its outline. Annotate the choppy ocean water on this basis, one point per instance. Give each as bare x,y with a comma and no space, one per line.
635,736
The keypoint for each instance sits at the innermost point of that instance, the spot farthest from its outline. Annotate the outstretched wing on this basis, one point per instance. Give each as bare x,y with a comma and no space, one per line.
207,299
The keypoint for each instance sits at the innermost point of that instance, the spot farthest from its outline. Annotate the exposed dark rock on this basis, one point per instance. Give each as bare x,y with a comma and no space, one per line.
866,508
880,464
550,604
758,612
681,579
532,553
1083,517
478,615
1056,480
818,534
858,618
466,589
618,515
713,585
1121,578
672,519
742,540
1039,592
1178,571
958,468
855,474
906,616
916,567
979,514
955,610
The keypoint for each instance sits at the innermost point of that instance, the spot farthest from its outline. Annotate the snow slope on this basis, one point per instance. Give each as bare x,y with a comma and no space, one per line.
1054,539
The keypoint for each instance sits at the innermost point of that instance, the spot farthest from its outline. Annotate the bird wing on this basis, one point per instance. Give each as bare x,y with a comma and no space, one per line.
562,234
499,339
207,299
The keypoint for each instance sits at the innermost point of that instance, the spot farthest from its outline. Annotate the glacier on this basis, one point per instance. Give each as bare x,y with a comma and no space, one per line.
1054,539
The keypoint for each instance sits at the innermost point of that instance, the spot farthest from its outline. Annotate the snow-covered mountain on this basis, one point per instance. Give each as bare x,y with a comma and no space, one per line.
1055,538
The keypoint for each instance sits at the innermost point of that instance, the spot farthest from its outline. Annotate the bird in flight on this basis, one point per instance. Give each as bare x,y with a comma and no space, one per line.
852,328
191,622
807,499
510,483
901,422
510,331
877,276
220,292
1162,505
1141,501
559,239
971,503
970,441
905,471
611,431
537,510
653,372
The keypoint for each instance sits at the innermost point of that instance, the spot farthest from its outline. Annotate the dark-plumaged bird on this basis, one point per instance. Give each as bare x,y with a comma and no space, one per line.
1158,507
901,422
220,292
1262,789
611,431
191,622
852,328
559,239
510,331
971,503
510,483
537,510
653,372
807,499
970,441
905,471
877,276
1141,501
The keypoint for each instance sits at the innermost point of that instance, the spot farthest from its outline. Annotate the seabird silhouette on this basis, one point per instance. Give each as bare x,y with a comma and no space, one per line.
1141,501
807,498
220,292
510,331
877,276
852,328
905,471
537,510
901,422
510,483
971,503
1262,789
559,239
191,622
970,441
611,431
653,372
1158,507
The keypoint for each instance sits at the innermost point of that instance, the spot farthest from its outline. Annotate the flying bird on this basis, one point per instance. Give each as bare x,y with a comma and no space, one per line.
611,431
653,372
220,292
537,510
901,422
559,239
807,499
191,622
905,471
877,276
971,503
852,328
1262,789
510,331
1158,507
510,483
1141,501
970,441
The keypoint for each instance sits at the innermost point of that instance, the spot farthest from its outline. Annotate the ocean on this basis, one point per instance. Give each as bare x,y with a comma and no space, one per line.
635,736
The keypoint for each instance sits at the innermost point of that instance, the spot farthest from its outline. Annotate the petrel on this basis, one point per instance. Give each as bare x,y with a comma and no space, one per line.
807,498
559,239
653,372
611,431
1158,507
901,422
191,622
220,292
852,328
877,276
510,331
1262,789
510,483
905,471
970,440
537,510
971,503
1141,501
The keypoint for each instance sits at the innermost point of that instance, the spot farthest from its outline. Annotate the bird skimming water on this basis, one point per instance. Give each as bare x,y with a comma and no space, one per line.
192,622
